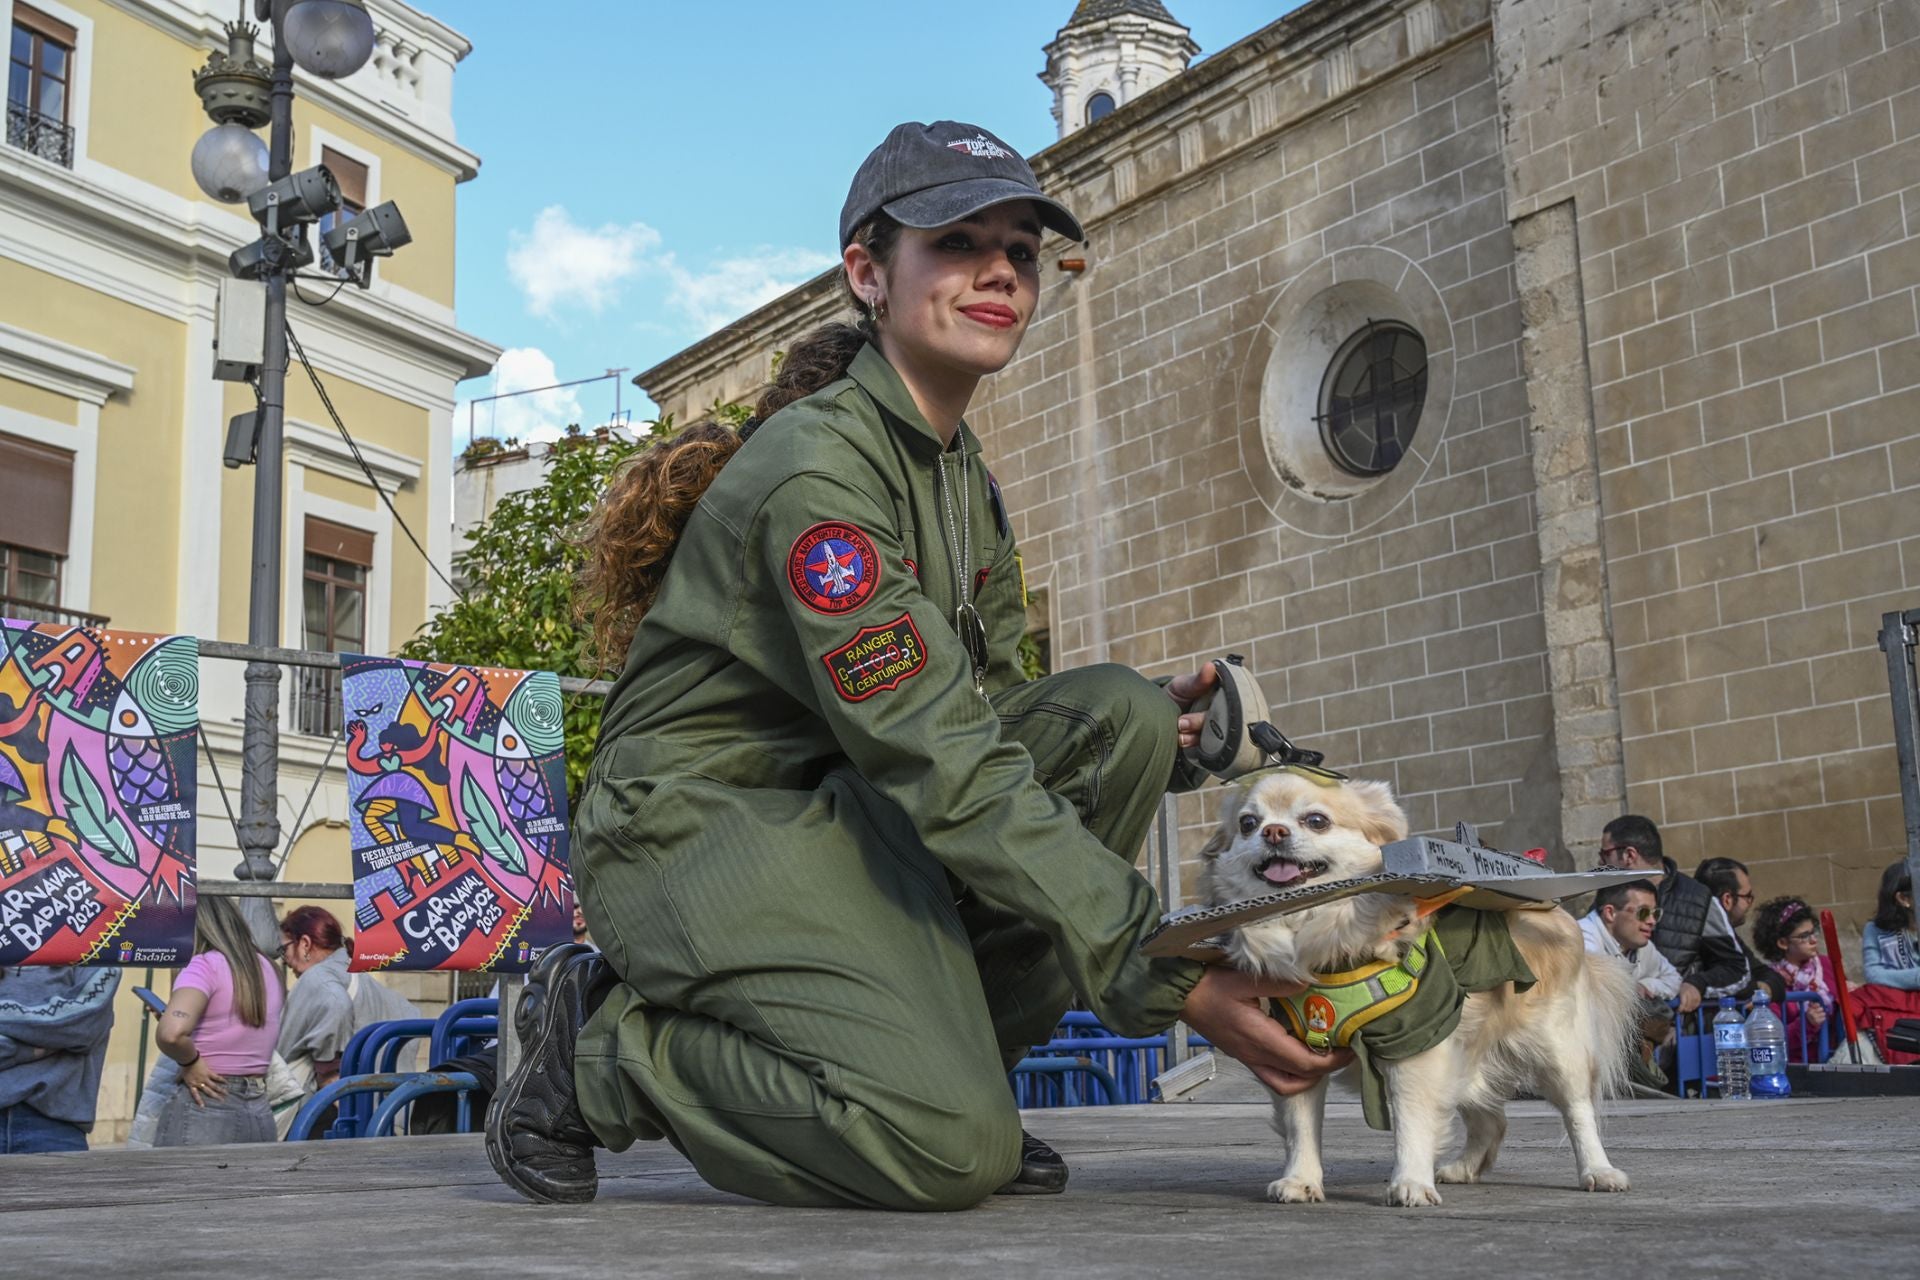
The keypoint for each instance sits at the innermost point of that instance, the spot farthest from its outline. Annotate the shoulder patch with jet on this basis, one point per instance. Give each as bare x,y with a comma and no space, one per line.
833,567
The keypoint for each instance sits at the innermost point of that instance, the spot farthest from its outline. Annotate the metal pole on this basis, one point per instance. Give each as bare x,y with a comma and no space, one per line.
1897,642
260,788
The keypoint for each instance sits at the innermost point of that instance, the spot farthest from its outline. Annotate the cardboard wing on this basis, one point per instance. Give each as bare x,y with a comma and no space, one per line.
1192,931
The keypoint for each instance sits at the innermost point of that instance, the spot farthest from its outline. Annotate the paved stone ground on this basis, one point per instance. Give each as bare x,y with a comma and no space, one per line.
1804,1188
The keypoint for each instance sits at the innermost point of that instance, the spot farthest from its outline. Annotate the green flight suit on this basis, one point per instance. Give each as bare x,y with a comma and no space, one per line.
843,890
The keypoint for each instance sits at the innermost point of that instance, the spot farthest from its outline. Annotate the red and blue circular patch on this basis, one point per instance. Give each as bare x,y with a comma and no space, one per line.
833,567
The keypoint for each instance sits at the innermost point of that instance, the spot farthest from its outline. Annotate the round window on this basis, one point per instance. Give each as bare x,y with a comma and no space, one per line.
1371,397
1099,106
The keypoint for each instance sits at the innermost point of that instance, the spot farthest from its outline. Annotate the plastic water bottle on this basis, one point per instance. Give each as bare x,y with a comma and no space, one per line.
1767,1050
1730,1047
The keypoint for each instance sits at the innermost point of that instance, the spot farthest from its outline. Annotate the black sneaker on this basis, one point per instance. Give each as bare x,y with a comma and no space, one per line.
537,1139
1042,1171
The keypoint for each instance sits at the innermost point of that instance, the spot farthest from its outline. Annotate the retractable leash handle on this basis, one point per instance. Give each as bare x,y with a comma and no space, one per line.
1238,737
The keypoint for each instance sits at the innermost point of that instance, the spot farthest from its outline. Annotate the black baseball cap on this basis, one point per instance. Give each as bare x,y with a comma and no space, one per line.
927,175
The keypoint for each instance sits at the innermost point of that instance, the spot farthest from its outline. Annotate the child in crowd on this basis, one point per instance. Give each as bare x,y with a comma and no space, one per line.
1891,952
1787,936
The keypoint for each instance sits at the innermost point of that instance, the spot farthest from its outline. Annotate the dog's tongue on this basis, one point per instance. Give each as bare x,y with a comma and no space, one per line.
1280,872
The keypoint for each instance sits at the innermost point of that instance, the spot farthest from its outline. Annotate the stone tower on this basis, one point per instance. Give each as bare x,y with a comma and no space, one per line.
1109,53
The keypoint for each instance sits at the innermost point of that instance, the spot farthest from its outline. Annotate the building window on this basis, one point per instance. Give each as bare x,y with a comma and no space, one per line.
1371,398
36,504
351,175
1099,107
334,587
40,85
29,577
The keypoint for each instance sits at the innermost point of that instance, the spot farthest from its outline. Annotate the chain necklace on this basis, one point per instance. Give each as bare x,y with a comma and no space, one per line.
966,618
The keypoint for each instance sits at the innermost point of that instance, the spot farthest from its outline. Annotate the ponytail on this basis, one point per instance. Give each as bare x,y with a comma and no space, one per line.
821,358
629,539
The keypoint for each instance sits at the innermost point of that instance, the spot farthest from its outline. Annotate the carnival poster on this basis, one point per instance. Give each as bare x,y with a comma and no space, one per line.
457,786
97,795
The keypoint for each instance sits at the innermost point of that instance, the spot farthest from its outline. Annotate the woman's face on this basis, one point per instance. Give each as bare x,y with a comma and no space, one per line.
959,297
1802,941
300,954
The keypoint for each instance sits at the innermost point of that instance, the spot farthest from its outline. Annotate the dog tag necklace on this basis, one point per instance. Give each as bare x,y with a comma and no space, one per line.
966,618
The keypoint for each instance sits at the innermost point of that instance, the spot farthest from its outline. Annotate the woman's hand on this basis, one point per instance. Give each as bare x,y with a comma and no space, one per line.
1816,1014
1225,1008
1185,690
200,1082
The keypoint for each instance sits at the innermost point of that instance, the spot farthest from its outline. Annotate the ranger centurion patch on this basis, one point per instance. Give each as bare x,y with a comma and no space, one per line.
876,659
833,567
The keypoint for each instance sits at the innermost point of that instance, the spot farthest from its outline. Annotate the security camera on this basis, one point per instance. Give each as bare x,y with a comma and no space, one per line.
375,233
306,196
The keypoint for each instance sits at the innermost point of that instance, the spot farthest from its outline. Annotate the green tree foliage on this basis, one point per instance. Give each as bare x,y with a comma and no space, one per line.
517,610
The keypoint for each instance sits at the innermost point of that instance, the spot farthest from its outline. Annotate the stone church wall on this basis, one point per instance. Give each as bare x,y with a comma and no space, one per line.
1745,182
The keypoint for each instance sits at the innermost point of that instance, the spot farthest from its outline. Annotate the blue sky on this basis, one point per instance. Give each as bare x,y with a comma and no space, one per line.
652,170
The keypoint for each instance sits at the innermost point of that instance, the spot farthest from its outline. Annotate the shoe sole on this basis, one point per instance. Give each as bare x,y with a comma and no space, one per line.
507,1097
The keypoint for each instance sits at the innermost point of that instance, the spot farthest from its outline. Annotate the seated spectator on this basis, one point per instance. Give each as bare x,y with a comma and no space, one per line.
220,1027
1891,954
1693,932
1732,887
54,1023
1787,935
1621,925
327,1004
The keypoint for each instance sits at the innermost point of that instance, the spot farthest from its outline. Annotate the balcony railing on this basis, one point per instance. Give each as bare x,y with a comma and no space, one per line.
33,611
40,135
316,701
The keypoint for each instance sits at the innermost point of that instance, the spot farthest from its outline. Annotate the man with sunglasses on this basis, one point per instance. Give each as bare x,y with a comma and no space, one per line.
1621,925
1693,931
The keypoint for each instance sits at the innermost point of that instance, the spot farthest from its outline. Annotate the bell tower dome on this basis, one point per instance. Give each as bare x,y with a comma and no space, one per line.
1109,53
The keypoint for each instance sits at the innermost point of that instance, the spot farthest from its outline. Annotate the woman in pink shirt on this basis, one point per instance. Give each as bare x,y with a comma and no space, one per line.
220,1026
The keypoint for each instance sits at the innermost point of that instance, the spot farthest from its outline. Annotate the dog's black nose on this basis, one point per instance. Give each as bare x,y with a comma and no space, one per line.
1275,834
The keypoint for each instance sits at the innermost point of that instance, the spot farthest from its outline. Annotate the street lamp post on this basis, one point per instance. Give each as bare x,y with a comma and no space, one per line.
330,38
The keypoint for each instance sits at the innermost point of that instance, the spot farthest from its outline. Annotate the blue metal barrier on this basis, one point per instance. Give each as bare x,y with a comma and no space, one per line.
373,1055
456,1020
1126,1066
345,1089
1041,1068
419,1085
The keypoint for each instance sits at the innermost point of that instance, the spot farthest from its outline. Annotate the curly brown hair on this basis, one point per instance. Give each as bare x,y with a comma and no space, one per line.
821,358
630,537
1773,920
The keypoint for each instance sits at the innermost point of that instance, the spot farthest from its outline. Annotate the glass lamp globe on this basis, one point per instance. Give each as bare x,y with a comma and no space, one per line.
230,162
329,38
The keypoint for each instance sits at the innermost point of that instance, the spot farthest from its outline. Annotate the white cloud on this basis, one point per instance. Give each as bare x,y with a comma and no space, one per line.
562,267
560,264
542,416
730,288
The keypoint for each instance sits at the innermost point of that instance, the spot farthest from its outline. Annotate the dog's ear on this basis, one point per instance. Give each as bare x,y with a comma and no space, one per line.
1222,836
1381,819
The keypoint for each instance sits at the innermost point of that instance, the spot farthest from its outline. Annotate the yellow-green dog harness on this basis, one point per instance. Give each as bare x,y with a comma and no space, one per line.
1389,1011
1328,1014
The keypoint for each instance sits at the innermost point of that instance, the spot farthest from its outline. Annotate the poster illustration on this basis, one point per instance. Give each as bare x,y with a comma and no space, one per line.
457,787
97,803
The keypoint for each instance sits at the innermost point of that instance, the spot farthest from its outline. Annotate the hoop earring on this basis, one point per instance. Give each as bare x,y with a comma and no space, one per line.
877,309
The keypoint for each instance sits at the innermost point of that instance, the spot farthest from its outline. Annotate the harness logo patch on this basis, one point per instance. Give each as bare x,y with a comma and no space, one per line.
980,147
876,659
833,567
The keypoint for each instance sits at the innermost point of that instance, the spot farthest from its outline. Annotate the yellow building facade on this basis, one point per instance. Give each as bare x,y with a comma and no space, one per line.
114,502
